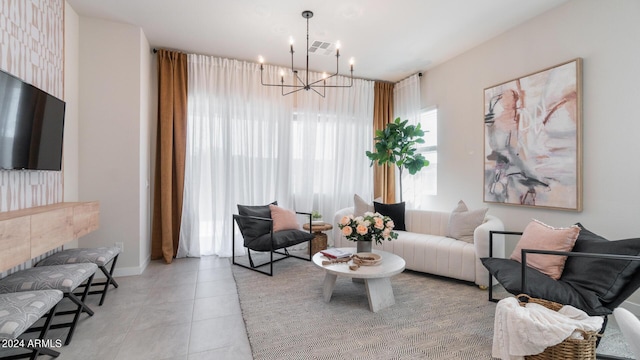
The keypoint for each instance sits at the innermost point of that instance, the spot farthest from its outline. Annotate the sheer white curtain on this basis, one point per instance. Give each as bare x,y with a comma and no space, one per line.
237,150
248,144
406,105
331,136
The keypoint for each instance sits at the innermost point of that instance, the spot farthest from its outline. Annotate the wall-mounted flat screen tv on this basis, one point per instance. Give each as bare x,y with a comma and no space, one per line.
31,126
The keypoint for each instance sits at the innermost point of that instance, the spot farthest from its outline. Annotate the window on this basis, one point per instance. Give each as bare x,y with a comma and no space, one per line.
419,187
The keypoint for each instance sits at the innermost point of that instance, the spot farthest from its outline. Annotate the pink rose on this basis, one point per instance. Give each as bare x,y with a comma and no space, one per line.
390,224
361,229
346,231
345,220
379,224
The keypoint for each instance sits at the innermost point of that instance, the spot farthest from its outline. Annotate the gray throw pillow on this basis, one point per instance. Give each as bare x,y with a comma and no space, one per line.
463,222
253,228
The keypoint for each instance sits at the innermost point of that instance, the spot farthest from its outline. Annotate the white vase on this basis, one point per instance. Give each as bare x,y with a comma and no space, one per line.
363,246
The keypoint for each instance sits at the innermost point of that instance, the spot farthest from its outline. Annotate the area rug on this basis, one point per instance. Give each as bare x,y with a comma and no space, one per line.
433,318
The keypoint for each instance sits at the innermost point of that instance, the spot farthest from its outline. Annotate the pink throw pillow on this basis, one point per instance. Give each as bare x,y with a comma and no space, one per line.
283,219
540,236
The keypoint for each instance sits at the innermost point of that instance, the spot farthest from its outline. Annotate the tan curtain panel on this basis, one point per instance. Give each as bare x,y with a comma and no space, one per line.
384,182
170,154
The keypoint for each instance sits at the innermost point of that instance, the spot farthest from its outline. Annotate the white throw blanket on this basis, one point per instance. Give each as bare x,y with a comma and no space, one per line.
529,330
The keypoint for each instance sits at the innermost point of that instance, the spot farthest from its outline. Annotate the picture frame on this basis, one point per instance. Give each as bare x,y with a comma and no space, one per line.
533,139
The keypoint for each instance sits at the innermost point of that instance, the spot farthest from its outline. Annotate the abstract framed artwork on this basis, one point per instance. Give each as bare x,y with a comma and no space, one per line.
533,139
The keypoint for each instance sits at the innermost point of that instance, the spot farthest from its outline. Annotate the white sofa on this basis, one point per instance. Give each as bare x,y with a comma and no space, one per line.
426,247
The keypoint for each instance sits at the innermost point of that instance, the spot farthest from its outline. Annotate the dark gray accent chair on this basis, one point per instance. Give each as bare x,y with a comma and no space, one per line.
598,276
256,226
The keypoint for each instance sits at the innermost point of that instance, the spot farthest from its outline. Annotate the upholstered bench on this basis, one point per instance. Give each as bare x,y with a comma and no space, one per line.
65,278
18,312
101,256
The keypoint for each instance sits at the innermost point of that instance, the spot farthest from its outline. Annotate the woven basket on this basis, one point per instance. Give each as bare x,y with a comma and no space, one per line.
569,349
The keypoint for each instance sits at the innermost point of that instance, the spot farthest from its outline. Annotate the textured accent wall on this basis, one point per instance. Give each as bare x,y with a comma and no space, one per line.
32,48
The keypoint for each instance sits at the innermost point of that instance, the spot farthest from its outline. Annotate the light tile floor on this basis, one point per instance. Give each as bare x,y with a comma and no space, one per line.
187,310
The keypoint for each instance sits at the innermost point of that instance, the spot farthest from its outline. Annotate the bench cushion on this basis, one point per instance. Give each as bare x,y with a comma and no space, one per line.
65,278
99,256
19,311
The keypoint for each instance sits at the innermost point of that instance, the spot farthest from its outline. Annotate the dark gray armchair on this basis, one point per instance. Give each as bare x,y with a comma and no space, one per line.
256,226
598,275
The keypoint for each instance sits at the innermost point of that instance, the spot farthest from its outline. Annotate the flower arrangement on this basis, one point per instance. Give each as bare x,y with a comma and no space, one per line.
370,227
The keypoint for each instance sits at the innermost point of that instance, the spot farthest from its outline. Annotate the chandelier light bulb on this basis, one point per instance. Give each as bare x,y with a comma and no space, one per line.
324,75
260,59
290,40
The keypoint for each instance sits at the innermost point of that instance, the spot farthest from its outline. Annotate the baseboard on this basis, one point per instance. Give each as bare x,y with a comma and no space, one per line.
125,271
131,271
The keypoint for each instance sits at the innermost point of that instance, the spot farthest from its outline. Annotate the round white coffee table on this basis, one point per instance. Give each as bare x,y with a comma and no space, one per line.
377,278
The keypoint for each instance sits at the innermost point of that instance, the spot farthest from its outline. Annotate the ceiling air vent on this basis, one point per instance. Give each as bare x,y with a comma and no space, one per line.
322,48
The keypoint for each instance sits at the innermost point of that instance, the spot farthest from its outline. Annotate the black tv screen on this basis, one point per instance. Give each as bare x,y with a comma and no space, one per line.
31,126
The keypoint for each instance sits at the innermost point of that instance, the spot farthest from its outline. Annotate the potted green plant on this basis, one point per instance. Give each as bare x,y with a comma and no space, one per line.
397,144
316,217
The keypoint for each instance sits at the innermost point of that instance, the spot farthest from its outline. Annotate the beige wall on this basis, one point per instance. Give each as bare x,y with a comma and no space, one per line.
114,116
148,111
71,94
605,35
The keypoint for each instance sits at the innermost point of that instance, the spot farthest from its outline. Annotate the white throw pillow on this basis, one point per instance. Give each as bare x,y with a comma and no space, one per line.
360,206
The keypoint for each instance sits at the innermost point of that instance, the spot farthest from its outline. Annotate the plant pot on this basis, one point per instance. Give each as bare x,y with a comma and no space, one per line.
363,246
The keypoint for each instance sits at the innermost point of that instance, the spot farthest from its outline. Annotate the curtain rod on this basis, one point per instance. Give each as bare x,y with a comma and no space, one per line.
155,50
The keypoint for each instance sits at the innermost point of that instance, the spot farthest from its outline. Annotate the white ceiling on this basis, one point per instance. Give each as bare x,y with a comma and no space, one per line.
389,40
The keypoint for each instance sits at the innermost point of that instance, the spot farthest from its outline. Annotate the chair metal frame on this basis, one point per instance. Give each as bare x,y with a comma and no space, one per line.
108,281
524,253
81,307
286,254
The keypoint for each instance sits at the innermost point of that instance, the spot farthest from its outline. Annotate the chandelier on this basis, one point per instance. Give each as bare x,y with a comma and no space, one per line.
298,83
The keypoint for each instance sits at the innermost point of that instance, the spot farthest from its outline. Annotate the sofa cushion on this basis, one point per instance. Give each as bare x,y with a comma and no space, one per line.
540,236
462,222
539,285
607,277
394,211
